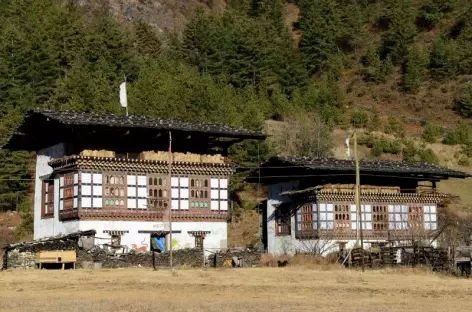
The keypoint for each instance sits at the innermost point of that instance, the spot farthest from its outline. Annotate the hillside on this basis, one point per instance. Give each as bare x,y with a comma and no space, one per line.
396,70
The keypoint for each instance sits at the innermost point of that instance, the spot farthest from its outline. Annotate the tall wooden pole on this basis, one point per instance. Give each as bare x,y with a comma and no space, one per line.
358,199
169,195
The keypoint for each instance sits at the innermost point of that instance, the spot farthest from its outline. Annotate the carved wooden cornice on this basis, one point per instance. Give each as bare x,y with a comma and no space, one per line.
92,163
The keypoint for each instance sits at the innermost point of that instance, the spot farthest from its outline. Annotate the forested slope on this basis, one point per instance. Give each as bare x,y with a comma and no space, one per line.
321,64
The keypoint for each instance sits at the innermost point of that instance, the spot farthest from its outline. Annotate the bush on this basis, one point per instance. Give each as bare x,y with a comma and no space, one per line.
467,149
395,127
464,104
374,123
464,161
383,145
428,156
359,119
431,133
445,58
409,151
414,68
460,135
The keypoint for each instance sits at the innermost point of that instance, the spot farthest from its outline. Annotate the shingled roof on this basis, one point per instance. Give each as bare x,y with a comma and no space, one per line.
298,167
146,126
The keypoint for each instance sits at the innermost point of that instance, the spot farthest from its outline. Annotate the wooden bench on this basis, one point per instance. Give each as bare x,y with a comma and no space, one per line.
57,256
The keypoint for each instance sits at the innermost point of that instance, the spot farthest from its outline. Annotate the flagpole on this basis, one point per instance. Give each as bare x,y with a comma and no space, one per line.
126,101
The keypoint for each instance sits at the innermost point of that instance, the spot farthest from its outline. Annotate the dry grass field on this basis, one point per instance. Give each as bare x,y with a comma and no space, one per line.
261,289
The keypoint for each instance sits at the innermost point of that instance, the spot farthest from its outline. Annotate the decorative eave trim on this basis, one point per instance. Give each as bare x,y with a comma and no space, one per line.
72,159
139,165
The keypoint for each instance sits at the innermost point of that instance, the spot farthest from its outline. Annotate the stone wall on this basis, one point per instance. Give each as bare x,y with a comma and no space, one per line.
243,258
182,257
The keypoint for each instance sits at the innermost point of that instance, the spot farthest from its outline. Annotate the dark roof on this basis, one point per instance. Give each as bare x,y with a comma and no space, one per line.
146,126
293,168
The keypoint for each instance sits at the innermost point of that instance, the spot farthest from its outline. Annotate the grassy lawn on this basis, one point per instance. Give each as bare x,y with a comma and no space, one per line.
261,289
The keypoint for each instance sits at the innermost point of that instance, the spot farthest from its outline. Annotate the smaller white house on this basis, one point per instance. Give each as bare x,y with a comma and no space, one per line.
311,207
111,174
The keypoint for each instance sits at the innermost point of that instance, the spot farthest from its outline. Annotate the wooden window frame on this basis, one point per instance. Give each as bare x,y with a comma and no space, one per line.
47,202
283,220
67,189
158,189
109,180
306,220
342,217
380,217
199,192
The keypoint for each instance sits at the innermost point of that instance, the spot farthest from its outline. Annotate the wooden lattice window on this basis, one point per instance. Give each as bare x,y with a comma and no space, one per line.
114,190
307,220
47,209
67,192
380,217
415,217
342,217
158,192
199,192
282,222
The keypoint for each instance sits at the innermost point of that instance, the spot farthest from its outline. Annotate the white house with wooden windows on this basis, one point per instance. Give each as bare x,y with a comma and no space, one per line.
311,209
111,174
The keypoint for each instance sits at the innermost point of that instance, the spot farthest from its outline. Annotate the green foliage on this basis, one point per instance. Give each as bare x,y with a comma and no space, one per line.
395,127
445,58
460,135
26,227
415,68
359,119
464,103
376,70
401,30
409,151
328,28
467,148
428,156
464,161
433,12
374,123
383,145
432,133
249,51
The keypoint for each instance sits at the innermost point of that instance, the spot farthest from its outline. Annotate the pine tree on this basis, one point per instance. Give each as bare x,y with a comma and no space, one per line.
401,30
414,68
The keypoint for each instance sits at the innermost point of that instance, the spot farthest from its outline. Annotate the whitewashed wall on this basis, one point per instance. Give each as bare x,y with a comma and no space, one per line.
215,240
49,226
289,244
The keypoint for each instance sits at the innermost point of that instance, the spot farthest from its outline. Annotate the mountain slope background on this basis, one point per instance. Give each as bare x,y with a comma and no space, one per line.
399,71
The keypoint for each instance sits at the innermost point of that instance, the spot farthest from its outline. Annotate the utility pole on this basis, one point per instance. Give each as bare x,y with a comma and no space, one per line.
169,195
358,198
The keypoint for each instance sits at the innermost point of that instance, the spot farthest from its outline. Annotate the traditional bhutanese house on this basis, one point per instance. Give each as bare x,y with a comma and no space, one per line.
311,206
109,173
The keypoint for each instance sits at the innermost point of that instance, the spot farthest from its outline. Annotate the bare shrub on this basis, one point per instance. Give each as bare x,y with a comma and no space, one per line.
302,260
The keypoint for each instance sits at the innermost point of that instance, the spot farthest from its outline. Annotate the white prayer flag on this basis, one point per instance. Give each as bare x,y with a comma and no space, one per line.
123,97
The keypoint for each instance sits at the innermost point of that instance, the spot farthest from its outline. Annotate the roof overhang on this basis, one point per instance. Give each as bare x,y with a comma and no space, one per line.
327,170
44,128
